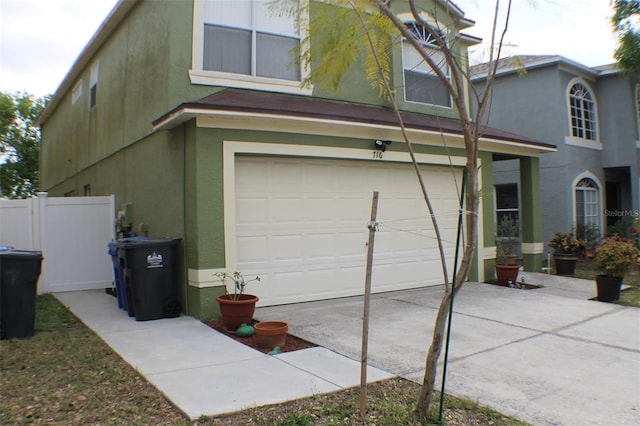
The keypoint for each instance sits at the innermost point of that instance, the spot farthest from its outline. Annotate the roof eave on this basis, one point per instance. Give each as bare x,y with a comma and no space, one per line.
110,23
221,118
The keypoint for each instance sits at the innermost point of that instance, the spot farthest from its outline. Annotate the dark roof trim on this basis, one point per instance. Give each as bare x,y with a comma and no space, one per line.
513,64
285,105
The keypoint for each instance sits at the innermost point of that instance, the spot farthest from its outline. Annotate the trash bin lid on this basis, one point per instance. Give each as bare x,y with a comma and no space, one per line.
143,243
21,254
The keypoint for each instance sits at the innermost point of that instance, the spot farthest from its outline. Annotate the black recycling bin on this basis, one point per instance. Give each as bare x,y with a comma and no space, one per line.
19,274
150,277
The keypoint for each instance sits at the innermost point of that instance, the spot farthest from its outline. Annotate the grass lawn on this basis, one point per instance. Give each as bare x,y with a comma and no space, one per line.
65,374
586,269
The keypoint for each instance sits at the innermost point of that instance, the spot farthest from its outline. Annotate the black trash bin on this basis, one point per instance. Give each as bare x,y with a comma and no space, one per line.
19,273
149,273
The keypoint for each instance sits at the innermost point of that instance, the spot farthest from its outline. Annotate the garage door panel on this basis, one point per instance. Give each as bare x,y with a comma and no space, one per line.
279,177
251,210
317,246
285,210
351,178
319,211
351,243
301,225
251,176
285,248
253,249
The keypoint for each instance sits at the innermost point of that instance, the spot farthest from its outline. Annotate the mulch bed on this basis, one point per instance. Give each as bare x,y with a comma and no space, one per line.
292,343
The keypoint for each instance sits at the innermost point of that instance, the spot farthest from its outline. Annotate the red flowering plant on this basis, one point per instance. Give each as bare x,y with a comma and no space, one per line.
566,243
616,255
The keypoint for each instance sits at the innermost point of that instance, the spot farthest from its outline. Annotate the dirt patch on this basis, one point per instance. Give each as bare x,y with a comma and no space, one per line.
292,343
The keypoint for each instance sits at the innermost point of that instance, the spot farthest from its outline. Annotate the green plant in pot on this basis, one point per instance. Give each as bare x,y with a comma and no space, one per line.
507,243
236,308
566,250
615,256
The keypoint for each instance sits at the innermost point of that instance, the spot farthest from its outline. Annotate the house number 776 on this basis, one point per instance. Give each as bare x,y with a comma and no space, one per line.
377,154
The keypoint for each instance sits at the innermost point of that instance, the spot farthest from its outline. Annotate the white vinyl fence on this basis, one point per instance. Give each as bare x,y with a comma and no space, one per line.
72,233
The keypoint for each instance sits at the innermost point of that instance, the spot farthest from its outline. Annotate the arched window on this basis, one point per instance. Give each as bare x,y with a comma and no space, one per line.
583,112
587,204
421,84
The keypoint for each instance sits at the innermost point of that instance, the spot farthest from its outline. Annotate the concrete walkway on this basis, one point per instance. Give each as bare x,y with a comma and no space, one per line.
547,356
205,373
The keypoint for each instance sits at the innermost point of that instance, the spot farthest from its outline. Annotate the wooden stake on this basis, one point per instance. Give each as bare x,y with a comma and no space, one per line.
367,299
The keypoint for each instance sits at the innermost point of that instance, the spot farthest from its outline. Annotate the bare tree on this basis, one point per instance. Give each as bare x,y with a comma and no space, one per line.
377,25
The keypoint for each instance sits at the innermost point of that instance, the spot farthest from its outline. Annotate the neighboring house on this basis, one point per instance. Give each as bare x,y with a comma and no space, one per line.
193,115
592,115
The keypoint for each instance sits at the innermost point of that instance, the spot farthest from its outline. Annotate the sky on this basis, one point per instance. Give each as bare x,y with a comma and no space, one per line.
40,39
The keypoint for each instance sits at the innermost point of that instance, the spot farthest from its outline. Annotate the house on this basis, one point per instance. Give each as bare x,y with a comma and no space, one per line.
592,114
193,115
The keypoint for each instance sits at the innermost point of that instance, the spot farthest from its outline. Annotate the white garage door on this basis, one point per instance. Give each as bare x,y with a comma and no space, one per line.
301,224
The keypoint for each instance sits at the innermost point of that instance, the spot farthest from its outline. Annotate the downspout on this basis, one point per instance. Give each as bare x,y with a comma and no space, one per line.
184,217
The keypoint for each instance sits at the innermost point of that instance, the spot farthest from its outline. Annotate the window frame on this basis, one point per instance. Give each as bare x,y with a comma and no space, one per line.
76,92
572,138
199,75
597,189
93,85
429,42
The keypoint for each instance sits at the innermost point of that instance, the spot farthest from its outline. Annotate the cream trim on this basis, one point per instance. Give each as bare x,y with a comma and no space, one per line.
339,128
202,278
220,119
588,175
232,148
214,78
488,253
638,144
532,248
583,143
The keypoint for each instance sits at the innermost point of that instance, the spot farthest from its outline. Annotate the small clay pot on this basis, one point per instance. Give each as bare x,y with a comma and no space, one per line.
269,334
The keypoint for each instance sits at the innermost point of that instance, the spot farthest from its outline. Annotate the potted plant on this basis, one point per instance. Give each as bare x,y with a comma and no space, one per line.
507,242
614,257
566,249
270,334
236,308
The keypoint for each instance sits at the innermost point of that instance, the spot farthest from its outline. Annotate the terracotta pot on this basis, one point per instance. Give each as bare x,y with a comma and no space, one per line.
506,274
234,313
608,288
565,263
270,334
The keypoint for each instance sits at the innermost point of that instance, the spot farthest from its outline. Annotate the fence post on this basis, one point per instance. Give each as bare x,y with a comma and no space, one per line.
39,221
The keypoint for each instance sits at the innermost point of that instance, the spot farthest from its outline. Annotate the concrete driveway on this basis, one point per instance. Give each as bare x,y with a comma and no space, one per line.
547,356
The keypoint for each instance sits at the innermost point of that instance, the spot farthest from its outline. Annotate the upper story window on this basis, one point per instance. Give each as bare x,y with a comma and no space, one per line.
582,109
76,92
93,88
421,84
244,37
